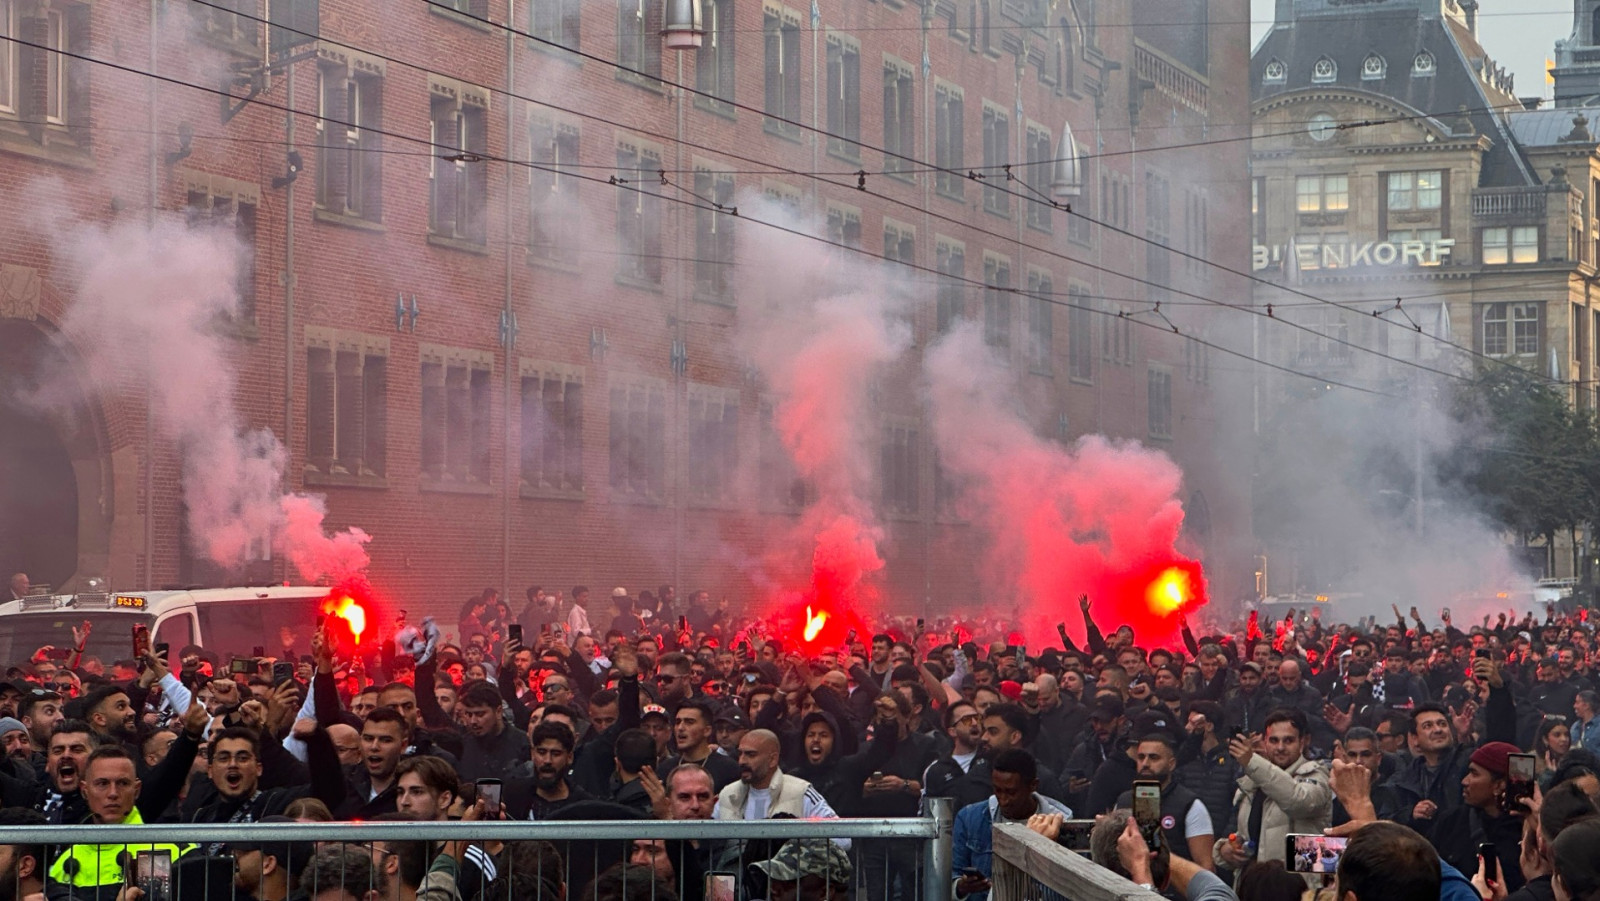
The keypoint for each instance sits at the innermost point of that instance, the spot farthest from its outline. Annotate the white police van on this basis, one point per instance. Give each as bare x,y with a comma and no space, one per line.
223,620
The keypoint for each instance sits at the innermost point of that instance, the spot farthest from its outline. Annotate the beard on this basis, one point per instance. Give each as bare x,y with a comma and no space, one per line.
10,889
549,779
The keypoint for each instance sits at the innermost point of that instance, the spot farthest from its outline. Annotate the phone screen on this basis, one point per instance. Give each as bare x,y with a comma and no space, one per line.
141,640
1523,767
1313,853
514,632
1491,861
489,792
720,887
1147,810
153,874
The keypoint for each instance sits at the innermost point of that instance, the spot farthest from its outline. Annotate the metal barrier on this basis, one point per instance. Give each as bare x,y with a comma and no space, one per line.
552,860
1029,867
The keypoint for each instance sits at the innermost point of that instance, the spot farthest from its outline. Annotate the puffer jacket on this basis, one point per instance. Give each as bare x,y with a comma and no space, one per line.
1299,800
1212,775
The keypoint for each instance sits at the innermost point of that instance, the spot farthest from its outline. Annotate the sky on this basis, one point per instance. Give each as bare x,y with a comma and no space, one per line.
1519,35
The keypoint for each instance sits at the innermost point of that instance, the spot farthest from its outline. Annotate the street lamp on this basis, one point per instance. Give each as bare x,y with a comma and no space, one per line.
1067,178
684,28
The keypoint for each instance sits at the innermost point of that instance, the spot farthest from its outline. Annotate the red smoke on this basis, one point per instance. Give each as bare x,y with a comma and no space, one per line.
818,340
1101,518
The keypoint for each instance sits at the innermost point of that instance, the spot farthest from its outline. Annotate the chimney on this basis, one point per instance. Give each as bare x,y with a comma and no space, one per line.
1470,7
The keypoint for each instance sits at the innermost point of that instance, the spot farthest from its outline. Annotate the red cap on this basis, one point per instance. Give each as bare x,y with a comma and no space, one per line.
1010,689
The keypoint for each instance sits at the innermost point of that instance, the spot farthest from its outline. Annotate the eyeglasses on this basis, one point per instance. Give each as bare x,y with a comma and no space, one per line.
667,677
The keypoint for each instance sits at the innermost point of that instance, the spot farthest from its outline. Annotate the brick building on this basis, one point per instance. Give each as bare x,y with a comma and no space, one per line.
514,374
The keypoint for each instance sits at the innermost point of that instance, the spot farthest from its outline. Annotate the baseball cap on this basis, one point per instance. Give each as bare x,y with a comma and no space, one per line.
1011,689
1150,721
1105,708
653,710
808,857
733,716
291,856
1252,666
619,592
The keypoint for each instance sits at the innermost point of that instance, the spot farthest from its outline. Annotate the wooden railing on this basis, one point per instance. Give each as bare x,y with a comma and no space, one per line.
1027,866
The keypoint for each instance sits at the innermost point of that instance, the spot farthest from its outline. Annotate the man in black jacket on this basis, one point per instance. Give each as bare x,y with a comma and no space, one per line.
839,776
692,729
545,793
489,749
962,774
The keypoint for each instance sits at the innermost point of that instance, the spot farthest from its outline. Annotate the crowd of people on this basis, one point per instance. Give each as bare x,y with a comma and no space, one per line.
1405,744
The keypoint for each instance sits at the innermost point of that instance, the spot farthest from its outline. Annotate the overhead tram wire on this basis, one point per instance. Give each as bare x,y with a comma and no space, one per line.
888,154
969,175
121,67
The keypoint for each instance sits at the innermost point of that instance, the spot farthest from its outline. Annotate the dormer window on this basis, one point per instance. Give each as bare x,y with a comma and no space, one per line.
1423,64
1276,72
1373,67
1324,71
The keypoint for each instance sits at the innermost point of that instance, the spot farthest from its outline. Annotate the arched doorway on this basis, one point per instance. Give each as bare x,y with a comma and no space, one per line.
54,483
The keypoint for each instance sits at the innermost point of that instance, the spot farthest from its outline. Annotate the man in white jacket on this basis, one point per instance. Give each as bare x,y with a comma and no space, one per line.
1281,793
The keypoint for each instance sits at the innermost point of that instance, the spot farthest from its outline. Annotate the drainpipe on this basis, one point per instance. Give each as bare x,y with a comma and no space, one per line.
510,487
288,287
149,406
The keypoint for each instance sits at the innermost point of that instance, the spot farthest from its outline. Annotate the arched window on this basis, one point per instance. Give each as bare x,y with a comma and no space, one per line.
1373,67
1324,70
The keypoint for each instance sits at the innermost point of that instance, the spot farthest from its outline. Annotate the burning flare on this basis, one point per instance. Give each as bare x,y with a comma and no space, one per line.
1169,592
345,607
814,623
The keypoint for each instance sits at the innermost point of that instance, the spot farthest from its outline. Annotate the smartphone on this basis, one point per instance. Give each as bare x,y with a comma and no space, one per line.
1491,862
921,623
877,775
683,623
721,887
244,665
282,672
1147,810
152,874
1481,654
489,793
971,873
1313,853
850,638
141,640
1523,770
514,632
544,629
162,649
258,651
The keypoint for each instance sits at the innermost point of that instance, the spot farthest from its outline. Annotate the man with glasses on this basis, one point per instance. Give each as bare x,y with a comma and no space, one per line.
960,774
672,676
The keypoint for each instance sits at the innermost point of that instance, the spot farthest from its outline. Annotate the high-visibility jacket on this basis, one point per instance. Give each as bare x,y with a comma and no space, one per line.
95,865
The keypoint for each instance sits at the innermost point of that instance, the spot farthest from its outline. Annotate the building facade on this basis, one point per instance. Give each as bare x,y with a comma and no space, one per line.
1408,208
488,300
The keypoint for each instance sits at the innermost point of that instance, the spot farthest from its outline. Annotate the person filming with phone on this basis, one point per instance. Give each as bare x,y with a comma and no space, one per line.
1281,792
1183,816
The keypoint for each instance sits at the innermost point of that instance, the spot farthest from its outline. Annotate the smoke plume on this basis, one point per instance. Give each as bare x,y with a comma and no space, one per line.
819,330
147,313
1101,517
